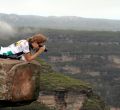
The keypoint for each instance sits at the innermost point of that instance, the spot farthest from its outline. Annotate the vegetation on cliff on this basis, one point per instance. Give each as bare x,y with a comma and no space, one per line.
51,80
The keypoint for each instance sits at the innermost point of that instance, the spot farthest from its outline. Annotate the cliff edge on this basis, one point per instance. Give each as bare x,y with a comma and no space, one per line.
61,92
23,81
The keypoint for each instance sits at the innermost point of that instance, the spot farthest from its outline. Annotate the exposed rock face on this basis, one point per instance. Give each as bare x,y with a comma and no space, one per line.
19,81
72,100
63,100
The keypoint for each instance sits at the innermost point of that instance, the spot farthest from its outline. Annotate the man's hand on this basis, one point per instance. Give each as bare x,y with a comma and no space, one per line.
42,48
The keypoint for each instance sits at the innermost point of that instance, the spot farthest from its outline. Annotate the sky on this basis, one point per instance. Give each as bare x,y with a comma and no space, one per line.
107,9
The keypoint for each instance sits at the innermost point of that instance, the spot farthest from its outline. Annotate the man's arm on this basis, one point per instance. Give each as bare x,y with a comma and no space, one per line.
30,57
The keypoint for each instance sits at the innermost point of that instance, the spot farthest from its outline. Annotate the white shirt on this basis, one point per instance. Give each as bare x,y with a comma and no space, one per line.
15,48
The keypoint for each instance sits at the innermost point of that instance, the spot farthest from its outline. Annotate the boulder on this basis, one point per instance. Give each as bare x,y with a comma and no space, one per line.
19,81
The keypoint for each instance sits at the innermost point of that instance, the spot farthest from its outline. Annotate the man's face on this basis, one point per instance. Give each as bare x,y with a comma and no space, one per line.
35,45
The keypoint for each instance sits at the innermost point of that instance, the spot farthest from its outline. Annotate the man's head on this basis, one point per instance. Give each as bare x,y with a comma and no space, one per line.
37,40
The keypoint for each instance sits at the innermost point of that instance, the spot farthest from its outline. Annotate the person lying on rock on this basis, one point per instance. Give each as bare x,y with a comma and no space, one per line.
26,49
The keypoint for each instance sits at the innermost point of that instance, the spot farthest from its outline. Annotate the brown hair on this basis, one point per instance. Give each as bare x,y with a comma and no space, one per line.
37,38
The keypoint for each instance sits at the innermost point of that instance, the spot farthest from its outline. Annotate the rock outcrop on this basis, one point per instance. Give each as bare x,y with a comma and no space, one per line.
63,100
19,81
72,100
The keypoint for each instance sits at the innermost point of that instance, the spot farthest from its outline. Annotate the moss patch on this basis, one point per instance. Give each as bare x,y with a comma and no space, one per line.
54,81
